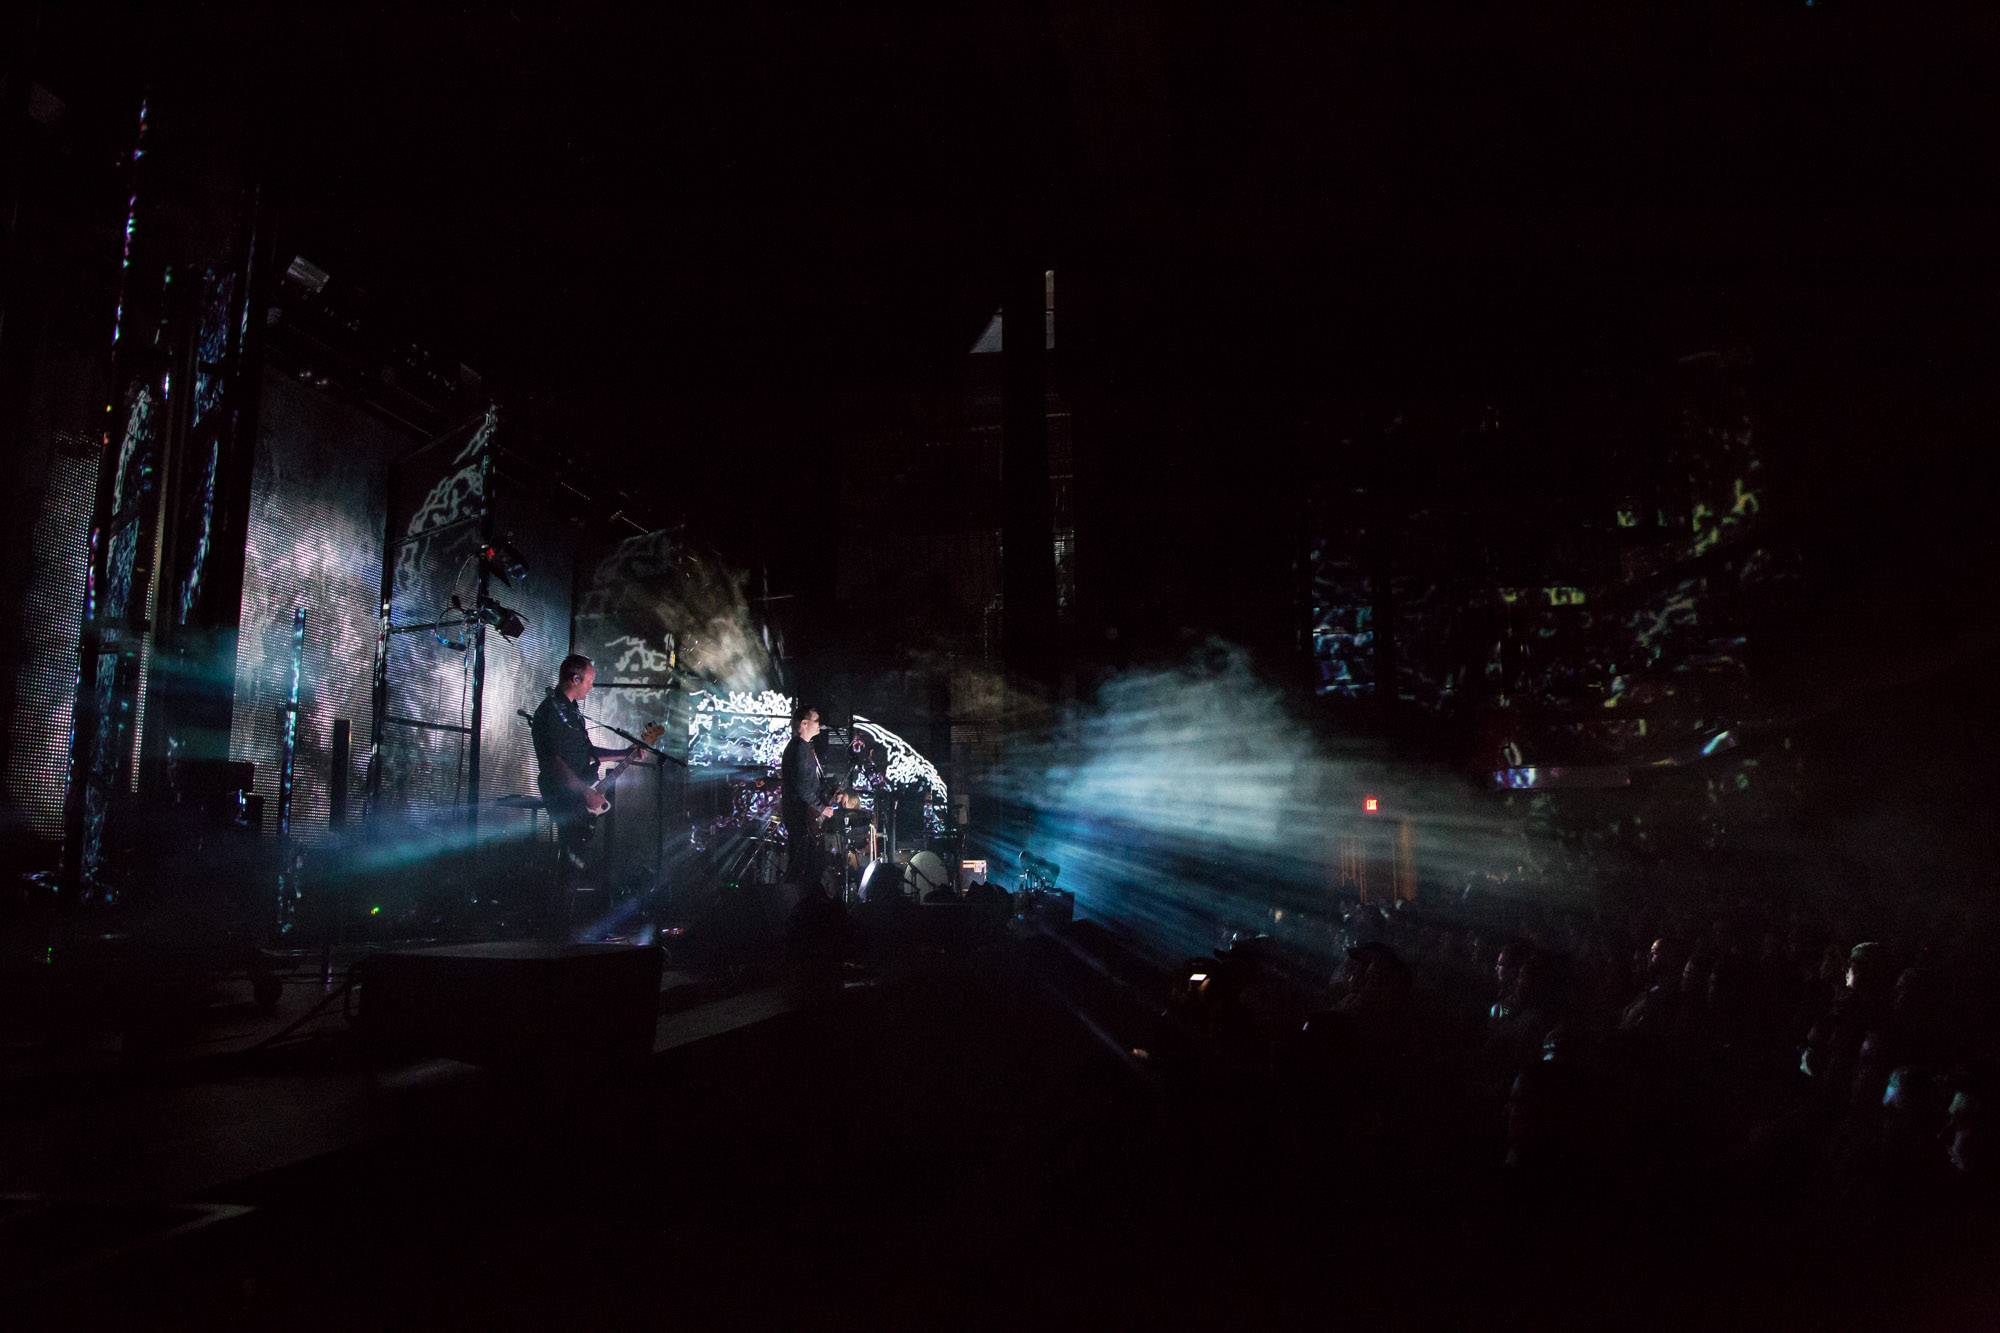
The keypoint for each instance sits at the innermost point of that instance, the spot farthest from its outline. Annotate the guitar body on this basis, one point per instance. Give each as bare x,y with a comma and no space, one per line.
584,821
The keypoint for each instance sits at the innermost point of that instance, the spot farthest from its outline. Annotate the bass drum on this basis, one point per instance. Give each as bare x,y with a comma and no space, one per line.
927,872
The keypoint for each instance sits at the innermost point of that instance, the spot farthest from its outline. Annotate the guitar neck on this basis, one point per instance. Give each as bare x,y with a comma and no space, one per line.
617,766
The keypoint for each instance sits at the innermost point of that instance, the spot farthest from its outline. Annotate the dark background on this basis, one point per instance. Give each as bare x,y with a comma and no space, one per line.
704,250
1299,247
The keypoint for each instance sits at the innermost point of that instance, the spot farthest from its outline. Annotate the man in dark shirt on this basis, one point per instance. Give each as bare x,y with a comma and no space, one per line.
566,764
800,802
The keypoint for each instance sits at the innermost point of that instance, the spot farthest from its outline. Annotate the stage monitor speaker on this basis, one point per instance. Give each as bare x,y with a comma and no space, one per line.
513,1002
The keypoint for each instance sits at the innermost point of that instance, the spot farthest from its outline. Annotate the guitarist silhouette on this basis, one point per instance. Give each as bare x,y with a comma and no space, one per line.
566,763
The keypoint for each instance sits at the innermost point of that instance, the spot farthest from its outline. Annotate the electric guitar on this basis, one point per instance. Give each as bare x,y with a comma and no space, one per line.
612,768
835,804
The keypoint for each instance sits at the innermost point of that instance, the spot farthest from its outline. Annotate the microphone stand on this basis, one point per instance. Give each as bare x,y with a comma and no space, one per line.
659,794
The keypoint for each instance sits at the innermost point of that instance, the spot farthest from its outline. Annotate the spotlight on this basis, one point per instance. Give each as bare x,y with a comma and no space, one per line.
1371,805
511,624
503,562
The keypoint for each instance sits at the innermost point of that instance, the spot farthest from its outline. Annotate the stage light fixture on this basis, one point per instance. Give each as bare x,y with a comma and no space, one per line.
503,562
511,624
1370,805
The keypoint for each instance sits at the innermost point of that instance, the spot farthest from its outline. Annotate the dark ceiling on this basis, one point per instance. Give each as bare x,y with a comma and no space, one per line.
738,196
691,230
610,205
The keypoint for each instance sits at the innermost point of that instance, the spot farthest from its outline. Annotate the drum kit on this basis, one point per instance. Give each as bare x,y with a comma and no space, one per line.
906,875
856,846
872,868
860,846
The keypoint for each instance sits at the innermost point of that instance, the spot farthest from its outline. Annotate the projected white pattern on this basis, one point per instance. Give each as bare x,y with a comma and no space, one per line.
317,511
419,772
46,689
457,496
637,656
683,606
751,730
134,447
738,728
424,773
623,627
905,767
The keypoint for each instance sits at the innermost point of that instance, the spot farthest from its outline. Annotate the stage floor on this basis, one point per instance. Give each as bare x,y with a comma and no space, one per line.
199,1115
